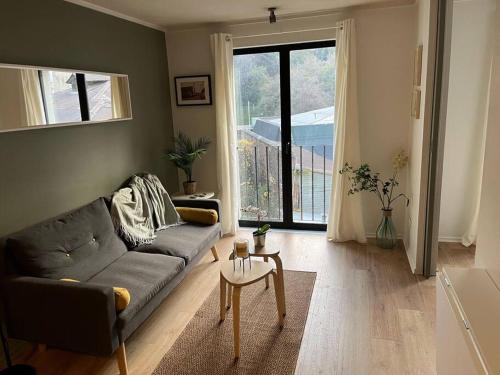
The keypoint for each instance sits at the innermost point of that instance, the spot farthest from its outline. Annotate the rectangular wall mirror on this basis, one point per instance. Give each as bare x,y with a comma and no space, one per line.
35,97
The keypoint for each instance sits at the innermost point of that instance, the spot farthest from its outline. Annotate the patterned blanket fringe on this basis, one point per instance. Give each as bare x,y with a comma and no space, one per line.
129,237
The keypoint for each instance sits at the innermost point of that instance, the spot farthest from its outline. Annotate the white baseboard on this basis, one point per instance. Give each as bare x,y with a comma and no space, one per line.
450,239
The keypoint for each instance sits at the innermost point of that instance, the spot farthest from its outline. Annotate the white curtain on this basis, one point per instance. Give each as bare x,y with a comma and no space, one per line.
227,166
32,95
345,218
470,235
120,103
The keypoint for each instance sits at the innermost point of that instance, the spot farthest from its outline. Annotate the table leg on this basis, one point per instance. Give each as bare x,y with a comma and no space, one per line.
222,298
279,298
266,259
229,295
279,271
214,253
236,320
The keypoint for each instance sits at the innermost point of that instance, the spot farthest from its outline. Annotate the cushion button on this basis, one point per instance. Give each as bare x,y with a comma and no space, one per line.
93,239
67,254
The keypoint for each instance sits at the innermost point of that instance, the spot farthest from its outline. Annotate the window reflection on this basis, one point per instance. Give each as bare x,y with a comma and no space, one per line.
31,97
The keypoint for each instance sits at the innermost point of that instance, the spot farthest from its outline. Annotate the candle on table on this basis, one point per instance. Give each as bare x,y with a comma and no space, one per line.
241,247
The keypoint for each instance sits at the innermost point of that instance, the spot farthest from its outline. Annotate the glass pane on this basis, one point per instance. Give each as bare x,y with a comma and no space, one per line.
312,95
258,114
61,96
99,96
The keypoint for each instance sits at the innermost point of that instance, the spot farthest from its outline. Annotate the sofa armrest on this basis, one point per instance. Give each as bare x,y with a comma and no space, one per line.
70,316
212,204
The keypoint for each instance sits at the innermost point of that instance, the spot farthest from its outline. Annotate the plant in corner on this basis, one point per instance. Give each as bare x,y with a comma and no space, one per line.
364,179
185,153
259,235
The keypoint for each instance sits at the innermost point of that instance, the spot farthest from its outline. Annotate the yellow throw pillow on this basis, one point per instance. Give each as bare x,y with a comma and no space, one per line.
198,215
122,296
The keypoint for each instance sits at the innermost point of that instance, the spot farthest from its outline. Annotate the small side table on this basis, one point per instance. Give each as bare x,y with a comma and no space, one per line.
266,253
237,279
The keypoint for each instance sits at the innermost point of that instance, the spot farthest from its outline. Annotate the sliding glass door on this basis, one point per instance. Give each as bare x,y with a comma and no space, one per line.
258,114
284,108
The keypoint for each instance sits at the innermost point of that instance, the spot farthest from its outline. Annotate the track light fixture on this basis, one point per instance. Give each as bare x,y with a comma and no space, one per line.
272,16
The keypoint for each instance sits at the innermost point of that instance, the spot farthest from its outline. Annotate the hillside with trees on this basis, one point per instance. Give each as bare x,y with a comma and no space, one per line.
312,83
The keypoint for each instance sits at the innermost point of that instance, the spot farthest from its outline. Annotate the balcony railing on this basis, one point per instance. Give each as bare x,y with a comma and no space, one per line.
261,181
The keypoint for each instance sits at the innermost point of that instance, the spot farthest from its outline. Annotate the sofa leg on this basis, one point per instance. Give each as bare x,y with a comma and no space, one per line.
121,358
214,253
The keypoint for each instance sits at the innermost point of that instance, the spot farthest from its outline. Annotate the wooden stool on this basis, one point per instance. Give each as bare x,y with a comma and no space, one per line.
233,280
266,253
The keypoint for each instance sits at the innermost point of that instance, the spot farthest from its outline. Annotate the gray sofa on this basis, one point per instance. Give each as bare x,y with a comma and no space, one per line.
83,245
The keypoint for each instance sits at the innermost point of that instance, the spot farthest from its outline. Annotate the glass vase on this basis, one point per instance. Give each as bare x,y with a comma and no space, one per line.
386,231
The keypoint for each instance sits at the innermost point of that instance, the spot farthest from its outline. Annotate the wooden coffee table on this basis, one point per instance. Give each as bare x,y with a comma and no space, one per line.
237,279
266,253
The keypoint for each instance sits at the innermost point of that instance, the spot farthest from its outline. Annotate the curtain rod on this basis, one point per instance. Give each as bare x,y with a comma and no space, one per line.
287,32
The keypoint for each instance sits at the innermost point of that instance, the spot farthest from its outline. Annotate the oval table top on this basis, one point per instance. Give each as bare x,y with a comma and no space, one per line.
239,278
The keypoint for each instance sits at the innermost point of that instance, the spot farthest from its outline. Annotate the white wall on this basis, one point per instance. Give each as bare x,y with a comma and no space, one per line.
488,242
385,73
417,141
189,54
471,52
385,44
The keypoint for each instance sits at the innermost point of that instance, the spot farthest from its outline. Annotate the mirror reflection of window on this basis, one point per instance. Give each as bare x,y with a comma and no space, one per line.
60,94
99,96
37,97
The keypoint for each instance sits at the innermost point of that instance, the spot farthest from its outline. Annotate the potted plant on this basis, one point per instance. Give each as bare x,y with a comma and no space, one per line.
185,153
259,235
364,179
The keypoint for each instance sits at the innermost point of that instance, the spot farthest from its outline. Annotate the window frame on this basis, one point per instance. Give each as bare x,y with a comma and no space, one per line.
83,102
286,129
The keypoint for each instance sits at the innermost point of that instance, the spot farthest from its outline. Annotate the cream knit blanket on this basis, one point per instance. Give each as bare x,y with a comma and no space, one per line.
140,209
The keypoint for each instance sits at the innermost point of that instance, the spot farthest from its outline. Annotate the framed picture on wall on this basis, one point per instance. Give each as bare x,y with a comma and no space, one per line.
193,90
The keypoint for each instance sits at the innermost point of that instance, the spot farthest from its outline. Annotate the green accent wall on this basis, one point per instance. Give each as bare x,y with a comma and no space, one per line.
46,172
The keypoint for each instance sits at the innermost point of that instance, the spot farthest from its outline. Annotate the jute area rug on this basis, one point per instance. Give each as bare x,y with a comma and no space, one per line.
206,345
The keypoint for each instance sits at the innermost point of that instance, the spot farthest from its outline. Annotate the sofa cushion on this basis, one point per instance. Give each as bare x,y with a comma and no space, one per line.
184,241
143,275
76,245
198,215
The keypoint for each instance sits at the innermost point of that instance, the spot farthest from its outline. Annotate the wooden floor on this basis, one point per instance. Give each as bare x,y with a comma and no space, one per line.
456,254
369,314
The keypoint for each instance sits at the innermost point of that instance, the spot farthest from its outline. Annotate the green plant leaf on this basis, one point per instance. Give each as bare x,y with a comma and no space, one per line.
186,152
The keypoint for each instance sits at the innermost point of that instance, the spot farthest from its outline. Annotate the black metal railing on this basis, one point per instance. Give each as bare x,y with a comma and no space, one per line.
261,181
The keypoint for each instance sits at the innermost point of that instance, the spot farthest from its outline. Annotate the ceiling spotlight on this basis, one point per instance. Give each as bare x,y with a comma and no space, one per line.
272,16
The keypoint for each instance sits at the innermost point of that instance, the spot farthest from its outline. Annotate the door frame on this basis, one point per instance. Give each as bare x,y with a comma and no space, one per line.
286,131
437,136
